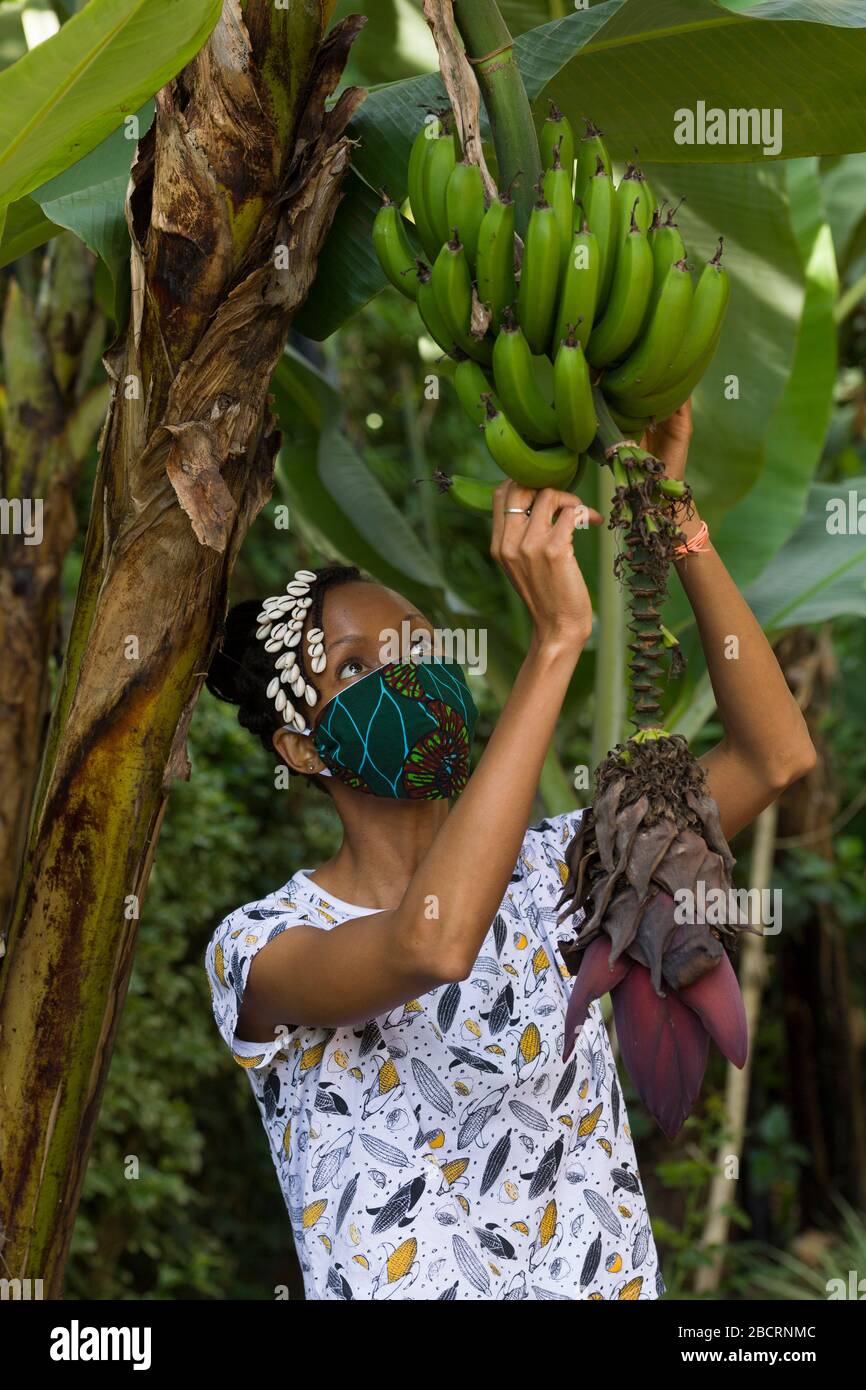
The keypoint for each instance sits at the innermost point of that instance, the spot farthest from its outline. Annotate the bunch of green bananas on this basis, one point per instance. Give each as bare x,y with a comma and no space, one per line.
603,297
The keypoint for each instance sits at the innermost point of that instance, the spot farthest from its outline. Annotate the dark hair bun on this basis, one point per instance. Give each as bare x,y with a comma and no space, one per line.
229,677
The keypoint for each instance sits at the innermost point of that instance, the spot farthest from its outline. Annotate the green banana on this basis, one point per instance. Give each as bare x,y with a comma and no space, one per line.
599,205
533,468
474,494
472,385
709,307
518,389
494,265
464,203
634,199
575,411
638,410
391,240
539,279
556,132
556,187
429,310
632,282
590,150
662,339
422,150
436,172
667,246
452,287
578,295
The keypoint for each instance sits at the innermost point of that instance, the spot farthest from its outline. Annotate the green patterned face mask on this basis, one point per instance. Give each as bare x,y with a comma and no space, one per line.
403,731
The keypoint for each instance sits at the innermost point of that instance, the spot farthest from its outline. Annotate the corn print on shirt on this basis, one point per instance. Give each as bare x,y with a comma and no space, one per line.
443,1150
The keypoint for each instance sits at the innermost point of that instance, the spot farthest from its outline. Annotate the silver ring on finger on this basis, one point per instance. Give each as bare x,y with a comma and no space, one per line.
518,511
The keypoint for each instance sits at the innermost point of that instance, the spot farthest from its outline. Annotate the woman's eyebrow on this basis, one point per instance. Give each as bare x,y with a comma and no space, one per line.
359,636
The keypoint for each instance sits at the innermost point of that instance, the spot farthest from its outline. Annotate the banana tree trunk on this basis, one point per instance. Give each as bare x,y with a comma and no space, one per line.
52,335
231,195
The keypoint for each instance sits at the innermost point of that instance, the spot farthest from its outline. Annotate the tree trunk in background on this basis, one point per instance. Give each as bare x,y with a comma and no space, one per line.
231,195
52,336
826,1068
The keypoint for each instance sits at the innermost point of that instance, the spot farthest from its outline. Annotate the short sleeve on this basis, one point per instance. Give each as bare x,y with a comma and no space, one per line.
544,860
228,958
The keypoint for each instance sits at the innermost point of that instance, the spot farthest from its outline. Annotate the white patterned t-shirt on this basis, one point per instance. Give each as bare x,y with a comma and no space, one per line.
443,1150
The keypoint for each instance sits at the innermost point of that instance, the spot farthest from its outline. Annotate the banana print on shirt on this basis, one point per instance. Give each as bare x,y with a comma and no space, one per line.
443,1150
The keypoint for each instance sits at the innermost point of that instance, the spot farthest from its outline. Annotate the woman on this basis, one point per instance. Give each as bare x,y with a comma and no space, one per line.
400,1009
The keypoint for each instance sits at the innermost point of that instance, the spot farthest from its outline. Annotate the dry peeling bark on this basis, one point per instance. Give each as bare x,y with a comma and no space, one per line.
232,193
52,335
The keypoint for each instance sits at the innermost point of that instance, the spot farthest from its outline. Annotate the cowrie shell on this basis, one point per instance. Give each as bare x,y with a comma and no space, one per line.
296,624
297,590
293,640
273,687
273,645
310,695
318,650
304,603
279,630
306,574
280,699
286,677
282,661
300,723
318,665
298,685
315,634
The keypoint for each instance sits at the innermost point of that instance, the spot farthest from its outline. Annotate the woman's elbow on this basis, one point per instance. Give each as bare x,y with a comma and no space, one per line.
790,766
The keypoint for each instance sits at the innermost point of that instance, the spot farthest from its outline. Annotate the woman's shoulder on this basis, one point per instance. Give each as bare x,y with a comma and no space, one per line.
267,915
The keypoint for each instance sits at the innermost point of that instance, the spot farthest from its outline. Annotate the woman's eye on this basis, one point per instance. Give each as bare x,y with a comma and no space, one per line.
420,645
350,668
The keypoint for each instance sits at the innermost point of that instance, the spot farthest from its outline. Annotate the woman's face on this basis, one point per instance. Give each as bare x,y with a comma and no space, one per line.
361,623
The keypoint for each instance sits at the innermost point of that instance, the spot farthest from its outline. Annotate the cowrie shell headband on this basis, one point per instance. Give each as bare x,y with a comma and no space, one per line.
281,624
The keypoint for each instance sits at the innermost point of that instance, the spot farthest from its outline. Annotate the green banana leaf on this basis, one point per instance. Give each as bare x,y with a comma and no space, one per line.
62,98
351,512
763,520
818,574
843,185
26,228
654,58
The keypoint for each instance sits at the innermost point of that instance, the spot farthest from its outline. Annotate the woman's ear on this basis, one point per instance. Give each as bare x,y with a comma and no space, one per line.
298,751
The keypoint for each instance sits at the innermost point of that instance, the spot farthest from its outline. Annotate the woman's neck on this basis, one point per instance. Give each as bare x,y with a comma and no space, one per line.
383,844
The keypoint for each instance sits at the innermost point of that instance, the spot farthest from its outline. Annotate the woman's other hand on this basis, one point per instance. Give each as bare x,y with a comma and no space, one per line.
536,551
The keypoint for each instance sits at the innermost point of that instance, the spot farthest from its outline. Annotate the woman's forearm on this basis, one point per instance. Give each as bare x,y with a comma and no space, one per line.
766,744
467,868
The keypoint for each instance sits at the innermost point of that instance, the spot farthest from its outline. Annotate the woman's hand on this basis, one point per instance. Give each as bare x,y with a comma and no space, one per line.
669,440
536,551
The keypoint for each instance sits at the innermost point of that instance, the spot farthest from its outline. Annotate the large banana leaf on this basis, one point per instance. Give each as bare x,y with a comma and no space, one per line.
795,432
340,501
821,572
654,58
62,98
26,228
816,576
